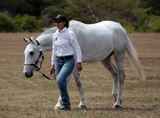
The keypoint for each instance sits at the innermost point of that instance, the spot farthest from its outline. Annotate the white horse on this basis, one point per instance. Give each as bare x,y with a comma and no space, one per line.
98,42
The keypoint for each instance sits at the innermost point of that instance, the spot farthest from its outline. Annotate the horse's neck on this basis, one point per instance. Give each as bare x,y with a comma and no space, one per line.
46,42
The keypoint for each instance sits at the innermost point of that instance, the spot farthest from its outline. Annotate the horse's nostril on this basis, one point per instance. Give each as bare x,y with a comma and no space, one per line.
28,75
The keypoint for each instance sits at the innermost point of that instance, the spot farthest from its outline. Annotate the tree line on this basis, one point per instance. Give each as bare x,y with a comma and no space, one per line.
34,15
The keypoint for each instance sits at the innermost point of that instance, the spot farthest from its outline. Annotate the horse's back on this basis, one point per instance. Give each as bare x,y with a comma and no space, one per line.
96,40
107,24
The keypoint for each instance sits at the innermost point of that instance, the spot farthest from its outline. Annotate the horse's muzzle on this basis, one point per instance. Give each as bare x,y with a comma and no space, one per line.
28,75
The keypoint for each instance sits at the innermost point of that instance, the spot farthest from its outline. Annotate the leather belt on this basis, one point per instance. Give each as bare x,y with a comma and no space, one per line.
64,57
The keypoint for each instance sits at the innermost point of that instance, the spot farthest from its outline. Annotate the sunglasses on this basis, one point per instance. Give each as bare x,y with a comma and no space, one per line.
58,21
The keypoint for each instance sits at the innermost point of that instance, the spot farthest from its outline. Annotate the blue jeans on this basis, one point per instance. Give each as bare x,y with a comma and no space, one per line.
63,70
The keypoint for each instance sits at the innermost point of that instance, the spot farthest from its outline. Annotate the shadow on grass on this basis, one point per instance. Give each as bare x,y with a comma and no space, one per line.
151,108
33,109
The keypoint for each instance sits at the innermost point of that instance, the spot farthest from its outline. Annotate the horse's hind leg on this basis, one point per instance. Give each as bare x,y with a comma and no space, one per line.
110,66
79,85
119,58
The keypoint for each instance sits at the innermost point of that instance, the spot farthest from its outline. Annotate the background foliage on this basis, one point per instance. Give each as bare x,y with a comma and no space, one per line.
34,15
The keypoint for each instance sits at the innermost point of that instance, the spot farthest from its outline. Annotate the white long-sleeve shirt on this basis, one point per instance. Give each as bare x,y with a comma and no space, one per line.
65,43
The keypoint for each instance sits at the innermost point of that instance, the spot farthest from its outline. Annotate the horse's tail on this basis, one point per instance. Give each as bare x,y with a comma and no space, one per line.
133,58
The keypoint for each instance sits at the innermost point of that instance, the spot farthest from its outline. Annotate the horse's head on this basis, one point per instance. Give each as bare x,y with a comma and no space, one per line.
33,57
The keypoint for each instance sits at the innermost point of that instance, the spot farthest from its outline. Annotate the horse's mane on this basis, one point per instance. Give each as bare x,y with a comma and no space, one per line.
49,31
73,24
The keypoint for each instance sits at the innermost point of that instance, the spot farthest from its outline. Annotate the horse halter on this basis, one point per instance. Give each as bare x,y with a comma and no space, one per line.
40,55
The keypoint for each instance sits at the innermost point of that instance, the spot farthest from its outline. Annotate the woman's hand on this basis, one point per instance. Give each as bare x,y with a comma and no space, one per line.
52,70
79,66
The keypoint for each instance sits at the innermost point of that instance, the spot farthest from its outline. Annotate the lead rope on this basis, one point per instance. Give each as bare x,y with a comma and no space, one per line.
38,69
47,76
54,77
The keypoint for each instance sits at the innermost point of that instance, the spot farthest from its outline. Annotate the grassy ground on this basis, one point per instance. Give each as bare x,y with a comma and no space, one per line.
36,97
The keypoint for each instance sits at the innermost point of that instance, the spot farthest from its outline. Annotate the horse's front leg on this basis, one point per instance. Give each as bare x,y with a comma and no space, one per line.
79,85
59,104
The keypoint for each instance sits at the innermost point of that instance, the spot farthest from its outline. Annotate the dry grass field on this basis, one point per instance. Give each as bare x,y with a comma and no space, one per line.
36,97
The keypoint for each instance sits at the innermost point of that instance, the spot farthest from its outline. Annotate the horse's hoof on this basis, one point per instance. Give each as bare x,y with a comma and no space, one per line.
57,108
82,106
117,107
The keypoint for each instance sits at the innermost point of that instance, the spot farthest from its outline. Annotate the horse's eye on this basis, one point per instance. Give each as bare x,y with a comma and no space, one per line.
31,53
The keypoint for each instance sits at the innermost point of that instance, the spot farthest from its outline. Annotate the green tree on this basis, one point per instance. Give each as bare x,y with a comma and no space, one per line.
135,15
53,8
6,23
127,12
27,23
152,5
98,10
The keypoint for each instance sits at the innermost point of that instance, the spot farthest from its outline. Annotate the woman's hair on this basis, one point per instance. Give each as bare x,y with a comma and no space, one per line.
67,23
62,18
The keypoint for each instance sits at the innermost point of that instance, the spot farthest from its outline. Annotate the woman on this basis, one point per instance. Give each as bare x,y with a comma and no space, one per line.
64,47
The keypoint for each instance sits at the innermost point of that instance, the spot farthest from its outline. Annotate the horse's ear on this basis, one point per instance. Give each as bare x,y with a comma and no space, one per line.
25,40
30,39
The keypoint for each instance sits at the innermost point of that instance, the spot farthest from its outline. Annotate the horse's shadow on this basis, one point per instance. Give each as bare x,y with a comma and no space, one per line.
111,109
